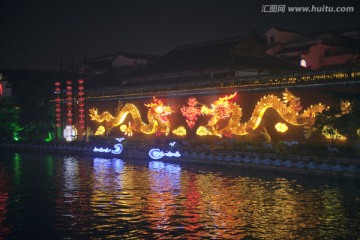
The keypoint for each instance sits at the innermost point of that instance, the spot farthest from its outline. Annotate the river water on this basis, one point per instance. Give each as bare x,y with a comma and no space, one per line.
44,196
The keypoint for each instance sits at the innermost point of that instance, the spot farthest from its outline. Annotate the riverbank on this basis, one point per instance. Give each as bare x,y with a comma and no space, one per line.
290,163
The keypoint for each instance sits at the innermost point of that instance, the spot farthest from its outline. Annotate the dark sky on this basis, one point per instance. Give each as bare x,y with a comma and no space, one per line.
36,34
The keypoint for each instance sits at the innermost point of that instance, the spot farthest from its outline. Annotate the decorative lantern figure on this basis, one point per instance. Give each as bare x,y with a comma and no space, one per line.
70,133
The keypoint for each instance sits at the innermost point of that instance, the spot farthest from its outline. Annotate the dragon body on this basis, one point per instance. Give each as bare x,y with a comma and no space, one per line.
289,110
156,116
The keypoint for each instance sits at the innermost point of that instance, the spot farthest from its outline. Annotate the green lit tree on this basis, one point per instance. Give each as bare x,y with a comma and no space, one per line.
32,91
10,128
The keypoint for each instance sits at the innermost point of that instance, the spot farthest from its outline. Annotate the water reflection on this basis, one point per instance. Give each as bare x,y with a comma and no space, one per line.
4,228
114,198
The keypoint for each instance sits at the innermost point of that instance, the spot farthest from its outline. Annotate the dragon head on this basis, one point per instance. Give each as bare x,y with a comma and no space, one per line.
160,110
292,101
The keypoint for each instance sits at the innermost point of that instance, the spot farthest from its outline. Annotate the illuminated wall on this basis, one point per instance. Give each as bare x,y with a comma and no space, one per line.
248,115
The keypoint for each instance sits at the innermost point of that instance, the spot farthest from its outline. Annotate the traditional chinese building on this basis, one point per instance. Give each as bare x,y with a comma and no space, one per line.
228,88
320,50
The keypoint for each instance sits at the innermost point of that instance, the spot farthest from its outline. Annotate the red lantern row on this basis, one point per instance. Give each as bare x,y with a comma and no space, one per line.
57,105
69,102
81,104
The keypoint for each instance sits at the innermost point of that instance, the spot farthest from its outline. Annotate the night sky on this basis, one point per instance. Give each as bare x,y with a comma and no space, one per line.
37,34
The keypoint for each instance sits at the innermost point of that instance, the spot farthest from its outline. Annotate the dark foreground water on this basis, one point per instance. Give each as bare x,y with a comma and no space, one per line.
68,197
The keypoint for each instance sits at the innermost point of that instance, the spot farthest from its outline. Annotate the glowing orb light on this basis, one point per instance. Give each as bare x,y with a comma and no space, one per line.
180,131
281,127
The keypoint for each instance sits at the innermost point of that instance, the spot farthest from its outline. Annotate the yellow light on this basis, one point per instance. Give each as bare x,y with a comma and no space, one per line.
345,107
180,131
159,109
202,131
127,130
281,127
100,131
331,133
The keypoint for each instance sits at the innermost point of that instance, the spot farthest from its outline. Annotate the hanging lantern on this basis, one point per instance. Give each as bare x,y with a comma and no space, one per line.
69,102
81,105
57,105
69,133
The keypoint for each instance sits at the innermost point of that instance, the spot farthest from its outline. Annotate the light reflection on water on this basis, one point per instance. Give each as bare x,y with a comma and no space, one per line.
80,197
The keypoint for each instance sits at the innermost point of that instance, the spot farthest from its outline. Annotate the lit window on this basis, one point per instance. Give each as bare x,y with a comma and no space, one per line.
303,63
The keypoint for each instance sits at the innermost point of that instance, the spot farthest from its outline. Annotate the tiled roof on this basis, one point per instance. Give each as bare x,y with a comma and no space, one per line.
210,55
193,57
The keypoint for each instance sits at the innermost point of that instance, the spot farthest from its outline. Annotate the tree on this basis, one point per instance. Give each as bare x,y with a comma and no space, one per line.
343,117
10,127
32,116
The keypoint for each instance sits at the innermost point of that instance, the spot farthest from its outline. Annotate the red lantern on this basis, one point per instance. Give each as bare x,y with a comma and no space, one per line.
69,102
57,105
81,104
